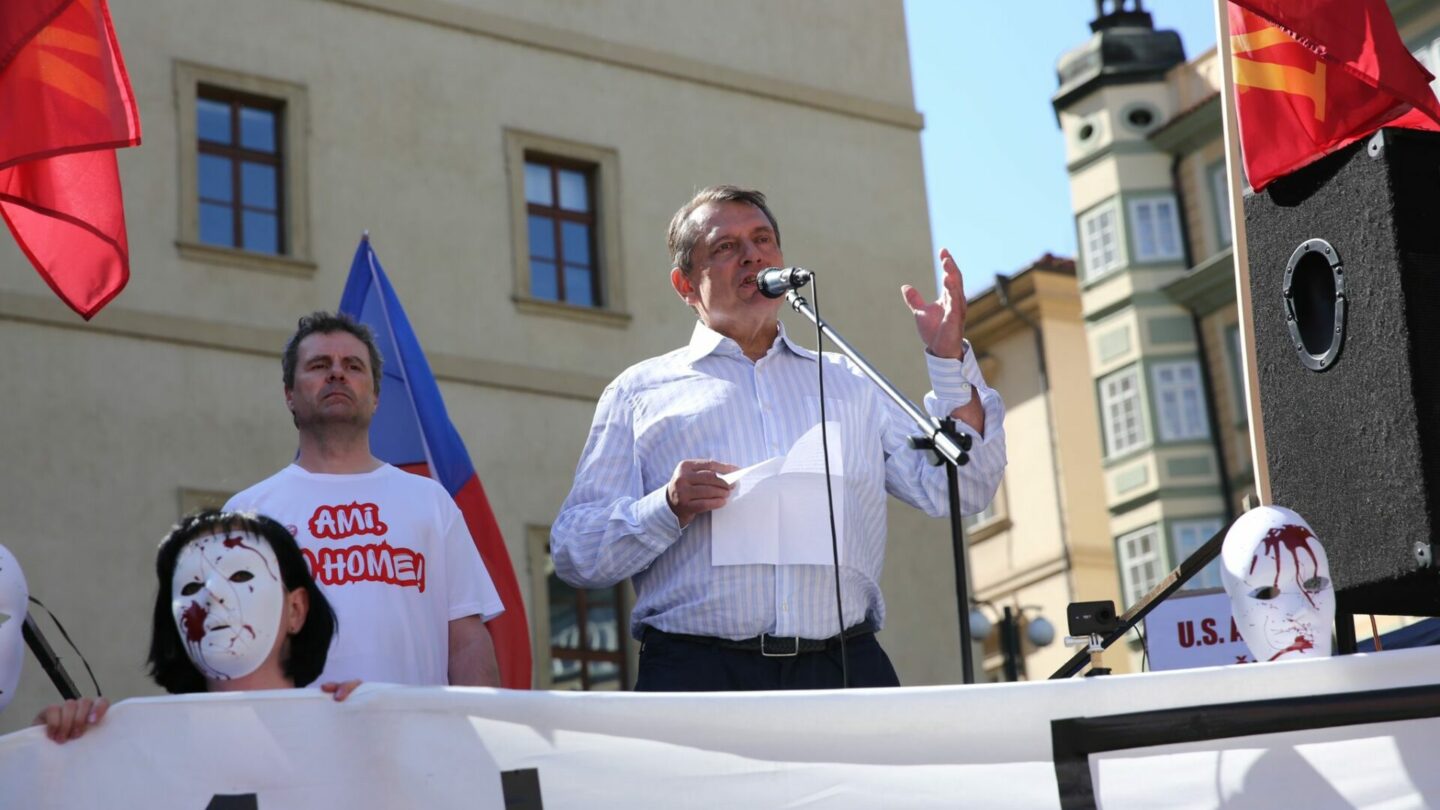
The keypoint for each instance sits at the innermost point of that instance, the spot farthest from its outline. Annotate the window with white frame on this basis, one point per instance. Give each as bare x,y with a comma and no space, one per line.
1179,398
1157,229
1099,234
1220,192
1140,563
1121,412
1189,535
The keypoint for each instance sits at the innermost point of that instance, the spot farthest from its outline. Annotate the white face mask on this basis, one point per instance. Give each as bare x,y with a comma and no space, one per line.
14,602
1278,579
227,599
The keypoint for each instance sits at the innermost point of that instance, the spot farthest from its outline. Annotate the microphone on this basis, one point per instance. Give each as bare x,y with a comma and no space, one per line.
775,282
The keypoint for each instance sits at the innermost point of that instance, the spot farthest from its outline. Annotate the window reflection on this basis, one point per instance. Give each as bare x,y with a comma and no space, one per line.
588,637
239,178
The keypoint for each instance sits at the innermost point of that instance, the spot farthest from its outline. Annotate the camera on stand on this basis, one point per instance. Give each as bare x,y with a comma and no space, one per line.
1088,622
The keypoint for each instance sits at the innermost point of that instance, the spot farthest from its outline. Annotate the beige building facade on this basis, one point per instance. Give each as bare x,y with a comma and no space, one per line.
1045,540
1146,157
428,123
1147,172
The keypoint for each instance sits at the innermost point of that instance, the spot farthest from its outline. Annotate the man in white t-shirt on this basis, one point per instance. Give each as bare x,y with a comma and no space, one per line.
389,548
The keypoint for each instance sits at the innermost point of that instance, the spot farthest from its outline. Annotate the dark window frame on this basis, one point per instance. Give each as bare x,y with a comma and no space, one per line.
237,156
585,656
589,218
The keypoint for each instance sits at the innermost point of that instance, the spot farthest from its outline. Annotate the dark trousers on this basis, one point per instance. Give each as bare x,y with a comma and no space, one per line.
670,664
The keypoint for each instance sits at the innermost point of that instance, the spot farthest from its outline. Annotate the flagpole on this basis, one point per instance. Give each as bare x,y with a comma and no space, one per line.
379,288
1240,251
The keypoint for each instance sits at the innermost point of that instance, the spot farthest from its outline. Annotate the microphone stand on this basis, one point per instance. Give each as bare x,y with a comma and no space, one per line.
49,661
945,444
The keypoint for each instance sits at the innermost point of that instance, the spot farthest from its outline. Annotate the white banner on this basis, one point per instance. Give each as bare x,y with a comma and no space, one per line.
976,746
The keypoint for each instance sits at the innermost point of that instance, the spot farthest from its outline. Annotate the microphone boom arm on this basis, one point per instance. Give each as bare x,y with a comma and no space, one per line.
943,444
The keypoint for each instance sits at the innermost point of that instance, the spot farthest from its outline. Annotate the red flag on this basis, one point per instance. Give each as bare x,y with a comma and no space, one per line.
65,106
1312,77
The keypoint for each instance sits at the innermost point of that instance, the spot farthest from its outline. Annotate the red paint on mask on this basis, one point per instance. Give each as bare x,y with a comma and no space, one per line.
233,542
193,618
1292,538
1302,643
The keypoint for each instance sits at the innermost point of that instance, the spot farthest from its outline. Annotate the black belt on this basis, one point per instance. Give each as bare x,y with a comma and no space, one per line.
767,645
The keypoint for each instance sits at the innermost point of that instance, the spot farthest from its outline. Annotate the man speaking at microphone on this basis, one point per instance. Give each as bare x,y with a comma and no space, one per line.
742,392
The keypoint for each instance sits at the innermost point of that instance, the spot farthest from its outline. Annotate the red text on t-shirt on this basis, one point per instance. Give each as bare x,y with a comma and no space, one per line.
348,520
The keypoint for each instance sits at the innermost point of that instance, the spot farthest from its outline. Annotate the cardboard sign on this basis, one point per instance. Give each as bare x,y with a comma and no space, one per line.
1194,629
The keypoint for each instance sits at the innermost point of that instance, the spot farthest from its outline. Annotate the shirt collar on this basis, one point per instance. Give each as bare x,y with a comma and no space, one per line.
705,341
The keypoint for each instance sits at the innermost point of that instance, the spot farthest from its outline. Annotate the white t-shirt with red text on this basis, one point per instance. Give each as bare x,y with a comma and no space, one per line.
392,554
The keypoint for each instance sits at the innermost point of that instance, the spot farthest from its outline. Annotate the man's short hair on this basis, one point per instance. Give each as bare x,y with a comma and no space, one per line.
685,232
325,323
171,666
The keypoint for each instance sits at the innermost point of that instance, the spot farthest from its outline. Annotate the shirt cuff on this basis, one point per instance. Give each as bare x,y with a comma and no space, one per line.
953,381
659,527
476,609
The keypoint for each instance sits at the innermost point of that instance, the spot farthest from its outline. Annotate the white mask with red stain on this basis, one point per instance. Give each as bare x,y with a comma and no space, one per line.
227,598
1278,579
14,602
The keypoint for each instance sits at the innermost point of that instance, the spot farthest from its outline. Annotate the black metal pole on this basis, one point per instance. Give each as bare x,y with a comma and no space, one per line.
1010,639
1344,631
962,580
48,660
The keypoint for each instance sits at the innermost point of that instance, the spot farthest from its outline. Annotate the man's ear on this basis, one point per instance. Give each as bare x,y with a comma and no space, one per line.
683,288
290,399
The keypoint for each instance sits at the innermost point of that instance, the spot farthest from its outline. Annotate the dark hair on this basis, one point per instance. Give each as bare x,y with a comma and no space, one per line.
326,323
684,232
171,667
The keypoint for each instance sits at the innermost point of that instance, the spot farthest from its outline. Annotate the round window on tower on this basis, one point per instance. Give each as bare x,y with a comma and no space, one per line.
1141,117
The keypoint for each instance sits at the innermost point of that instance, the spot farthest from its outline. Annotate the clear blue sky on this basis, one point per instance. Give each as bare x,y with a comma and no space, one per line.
994,159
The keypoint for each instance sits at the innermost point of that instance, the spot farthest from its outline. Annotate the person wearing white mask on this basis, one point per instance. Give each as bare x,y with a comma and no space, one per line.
1278,578
236,609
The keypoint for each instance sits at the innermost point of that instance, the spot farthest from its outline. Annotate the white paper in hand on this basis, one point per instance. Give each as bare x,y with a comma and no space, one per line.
777,512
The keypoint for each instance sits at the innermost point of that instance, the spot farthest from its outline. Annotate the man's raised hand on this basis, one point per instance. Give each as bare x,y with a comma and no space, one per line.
941,324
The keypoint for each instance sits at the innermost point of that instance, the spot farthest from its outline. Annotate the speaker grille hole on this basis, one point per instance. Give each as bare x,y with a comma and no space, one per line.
1312,289
1315,303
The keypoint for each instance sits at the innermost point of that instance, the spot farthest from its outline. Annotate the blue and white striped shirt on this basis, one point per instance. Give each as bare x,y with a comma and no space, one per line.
709,401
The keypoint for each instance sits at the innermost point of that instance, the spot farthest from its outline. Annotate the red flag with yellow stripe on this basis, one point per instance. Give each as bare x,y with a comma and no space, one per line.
1312,76
65,106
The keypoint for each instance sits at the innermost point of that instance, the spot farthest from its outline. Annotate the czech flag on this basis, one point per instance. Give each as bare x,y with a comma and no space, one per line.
412,431
65,107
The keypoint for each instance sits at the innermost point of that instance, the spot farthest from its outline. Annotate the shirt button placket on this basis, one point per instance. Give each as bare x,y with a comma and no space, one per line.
769,433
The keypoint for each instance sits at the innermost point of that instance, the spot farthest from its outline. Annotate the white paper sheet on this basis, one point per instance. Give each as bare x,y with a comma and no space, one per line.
777,511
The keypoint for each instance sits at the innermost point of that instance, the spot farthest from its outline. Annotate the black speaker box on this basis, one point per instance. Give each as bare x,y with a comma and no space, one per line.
1345,286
